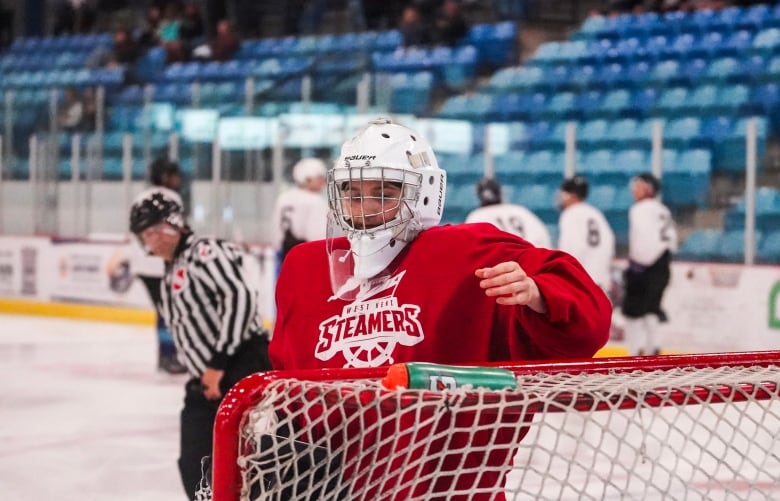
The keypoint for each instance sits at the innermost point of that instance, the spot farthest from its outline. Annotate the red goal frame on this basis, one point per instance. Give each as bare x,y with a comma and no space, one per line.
226,479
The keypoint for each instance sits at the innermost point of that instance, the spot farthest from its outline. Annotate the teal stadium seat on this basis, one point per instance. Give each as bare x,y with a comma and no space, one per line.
700,245
769,250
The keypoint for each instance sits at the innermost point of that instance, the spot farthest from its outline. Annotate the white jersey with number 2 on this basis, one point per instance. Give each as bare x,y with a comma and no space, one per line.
584,232
651,231
303,212
513,219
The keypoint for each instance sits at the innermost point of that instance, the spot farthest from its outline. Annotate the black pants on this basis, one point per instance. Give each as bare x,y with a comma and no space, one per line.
645,287
198,413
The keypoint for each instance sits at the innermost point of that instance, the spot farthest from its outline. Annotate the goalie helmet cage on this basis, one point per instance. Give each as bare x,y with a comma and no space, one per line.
671,427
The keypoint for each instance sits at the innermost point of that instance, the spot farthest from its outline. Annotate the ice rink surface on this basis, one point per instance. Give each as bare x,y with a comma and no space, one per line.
84,414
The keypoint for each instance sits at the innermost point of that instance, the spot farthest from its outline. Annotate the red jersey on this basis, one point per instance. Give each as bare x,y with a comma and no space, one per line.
433,310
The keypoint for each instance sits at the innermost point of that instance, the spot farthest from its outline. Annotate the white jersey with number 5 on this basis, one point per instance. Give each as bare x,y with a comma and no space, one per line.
584,232
514,219
651,231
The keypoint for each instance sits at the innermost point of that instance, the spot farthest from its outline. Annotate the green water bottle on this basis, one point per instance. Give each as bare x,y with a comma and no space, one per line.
438,377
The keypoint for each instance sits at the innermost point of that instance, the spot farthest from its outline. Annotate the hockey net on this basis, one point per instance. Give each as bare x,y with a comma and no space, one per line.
674,427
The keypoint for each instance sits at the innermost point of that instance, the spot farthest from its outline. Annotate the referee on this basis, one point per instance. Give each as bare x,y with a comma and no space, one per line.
210,307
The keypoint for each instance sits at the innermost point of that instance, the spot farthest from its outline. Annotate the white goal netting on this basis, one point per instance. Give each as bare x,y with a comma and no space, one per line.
705,433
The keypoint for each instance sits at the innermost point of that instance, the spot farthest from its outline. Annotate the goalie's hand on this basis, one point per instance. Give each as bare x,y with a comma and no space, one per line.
210,379
510,285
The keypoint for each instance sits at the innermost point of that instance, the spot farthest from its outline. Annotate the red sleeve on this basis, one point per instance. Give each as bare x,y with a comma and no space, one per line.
579,313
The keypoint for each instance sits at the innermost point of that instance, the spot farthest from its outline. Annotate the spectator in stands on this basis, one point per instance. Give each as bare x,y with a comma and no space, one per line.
192,29
380,14
413,29
584,232
512,218
225,43
149,33
125,50
169,36
90,105
71,113
74,17
449,26
399,288
301,213
652,238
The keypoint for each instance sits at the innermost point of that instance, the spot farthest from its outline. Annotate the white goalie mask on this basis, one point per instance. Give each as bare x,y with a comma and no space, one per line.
385,187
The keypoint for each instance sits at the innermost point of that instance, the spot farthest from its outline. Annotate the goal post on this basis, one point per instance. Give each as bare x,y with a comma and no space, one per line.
670,427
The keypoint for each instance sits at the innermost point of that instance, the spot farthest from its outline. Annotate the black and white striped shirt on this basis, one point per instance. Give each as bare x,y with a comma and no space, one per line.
209,302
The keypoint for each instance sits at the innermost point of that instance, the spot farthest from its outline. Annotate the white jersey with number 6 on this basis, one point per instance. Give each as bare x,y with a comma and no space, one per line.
651,231
584,232
514,219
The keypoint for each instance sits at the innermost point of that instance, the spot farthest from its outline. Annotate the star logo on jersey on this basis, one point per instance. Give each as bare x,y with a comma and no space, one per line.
367,331
179,281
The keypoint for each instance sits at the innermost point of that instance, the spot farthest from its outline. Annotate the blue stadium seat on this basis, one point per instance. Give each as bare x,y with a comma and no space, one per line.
682,132
510,163
461,168
548,53
731,246
581,77
692,71
686,177
560,106
701,245
766,41
558,76
595,162
642,102
611,75
588,103
502,81
729,153
716,129
593,134
767,204
722,70
664,72
769,250
602,196
622,132
467,107
411,93
753,17
615,103
671,100
737,43
731,99
702,101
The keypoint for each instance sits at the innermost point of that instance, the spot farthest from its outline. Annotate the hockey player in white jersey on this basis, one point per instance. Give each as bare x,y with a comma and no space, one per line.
511,218
584,232
652,238
301,213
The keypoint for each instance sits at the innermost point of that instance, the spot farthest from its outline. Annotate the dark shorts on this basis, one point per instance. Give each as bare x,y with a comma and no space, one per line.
645,287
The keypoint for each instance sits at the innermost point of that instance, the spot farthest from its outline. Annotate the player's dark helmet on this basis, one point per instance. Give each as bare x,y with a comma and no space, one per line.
155,206
488,191
650,180
577,185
